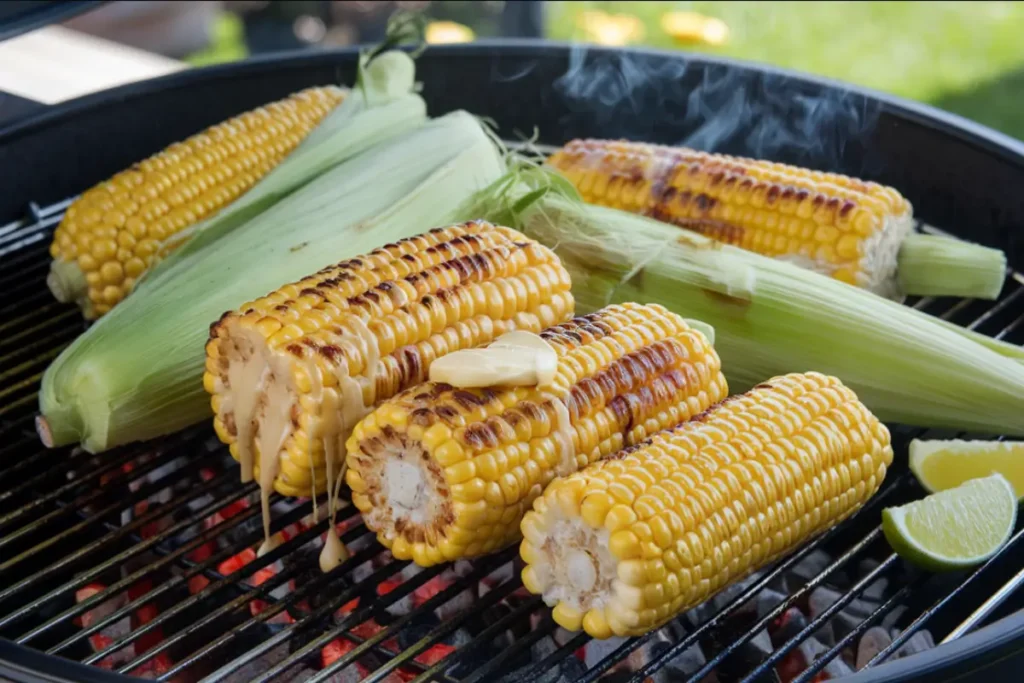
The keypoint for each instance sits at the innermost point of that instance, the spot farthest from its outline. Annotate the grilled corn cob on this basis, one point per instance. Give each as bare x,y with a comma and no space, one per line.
115,231
849,229
442,473
290,374
626,544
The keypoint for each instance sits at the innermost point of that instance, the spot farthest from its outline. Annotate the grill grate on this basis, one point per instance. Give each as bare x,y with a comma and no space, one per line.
136,561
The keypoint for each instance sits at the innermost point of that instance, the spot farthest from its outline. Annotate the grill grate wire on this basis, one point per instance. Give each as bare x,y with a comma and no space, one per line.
54,497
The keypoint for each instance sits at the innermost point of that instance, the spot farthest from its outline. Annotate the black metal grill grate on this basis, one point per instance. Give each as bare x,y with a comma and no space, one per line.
147,527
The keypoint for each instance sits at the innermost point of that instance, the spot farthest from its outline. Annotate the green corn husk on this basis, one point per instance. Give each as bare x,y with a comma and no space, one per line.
933,265
381,106
769,317
137,373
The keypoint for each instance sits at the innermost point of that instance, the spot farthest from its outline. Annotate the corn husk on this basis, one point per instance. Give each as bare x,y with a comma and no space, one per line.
770,317
137,373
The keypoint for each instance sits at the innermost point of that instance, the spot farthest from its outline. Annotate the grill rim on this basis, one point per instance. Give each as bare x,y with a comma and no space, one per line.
971,652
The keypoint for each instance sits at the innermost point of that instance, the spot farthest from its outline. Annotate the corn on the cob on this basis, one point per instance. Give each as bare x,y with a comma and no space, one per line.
770,317
280,368
291,374
442,473
115,231
849,229
138,372
624,545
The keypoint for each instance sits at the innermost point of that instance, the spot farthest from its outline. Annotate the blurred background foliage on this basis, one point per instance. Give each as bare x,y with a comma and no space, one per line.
966,57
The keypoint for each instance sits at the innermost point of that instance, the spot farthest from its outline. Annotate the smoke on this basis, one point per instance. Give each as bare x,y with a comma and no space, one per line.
716,108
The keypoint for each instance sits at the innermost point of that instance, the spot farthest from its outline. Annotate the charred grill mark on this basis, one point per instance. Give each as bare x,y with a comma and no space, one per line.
420,416
308,291
773,194
281,308
480,435
295,349
765,385
847,207
330,352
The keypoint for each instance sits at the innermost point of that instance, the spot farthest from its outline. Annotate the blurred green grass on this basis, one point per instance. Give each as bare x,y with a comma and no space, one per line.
965,57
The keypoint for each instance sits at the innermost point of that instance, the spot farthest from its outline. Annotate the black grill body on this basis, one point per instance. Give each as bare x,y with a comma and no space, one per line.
960,177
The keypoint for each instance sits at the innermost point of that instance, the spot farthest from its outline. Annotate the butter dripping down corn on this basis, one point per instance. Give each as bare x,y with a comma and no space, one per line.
118,229
442,473
290,374
836,225
626,544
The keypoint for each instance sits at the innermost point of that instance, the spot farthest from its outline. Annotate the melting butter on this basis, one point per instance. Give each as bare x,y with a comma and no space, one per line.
515,359
334,551
563,437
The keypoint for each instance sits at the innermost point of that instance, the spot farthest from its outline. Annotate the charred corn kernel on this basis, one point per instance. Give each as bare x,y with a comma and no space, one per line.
618,369
144,207
830,223
829,457
292,373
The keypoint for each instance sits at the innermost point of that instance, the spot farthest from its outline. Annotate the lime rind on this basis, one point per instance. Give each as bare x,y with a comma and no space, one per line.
902,541
922,450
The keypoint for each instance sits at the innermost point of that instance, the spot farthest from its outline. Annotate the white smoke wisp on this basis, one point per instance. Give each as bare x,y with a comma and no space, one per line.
716,108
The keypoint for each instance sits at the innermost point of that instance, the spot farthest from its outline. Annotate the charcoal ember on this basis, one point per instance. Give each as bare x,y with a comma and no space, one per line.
786,626
848,618
572,668
725,596
679,666
874,640
808,568
417,629
890,619
596,650
767,600
745,657
269,659
919,642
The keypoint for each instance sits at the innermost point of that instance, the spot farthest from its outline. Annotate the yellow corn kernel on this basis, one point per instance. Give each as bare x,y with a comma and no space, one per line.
608,364
142,207
829,453
773,209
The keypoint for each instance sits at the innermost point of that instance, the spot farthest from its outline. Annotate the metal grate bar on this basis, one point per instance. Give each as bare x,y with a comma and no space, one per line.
791,599
358,616
822,660
919,623
70,510
168,559
545,628
110,563
484,637
445,629
1009,328
141,494
998,307
43,313
986,608
88,479
782,567
261,592
481,570
321,612
814,624
57,321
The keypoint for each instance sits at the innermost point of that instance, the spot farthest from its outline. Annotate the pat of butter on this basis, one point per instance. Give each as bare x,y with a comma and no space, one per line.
516,359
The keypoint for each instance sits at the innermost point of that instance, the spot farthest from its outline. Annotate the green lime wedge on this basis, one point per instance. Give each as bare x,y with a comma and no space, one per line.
953,529
942,465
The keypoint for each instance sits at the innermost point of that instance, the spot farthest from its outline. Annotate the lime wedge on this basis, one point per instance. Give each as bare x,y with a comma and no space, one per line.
953,529
942,465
